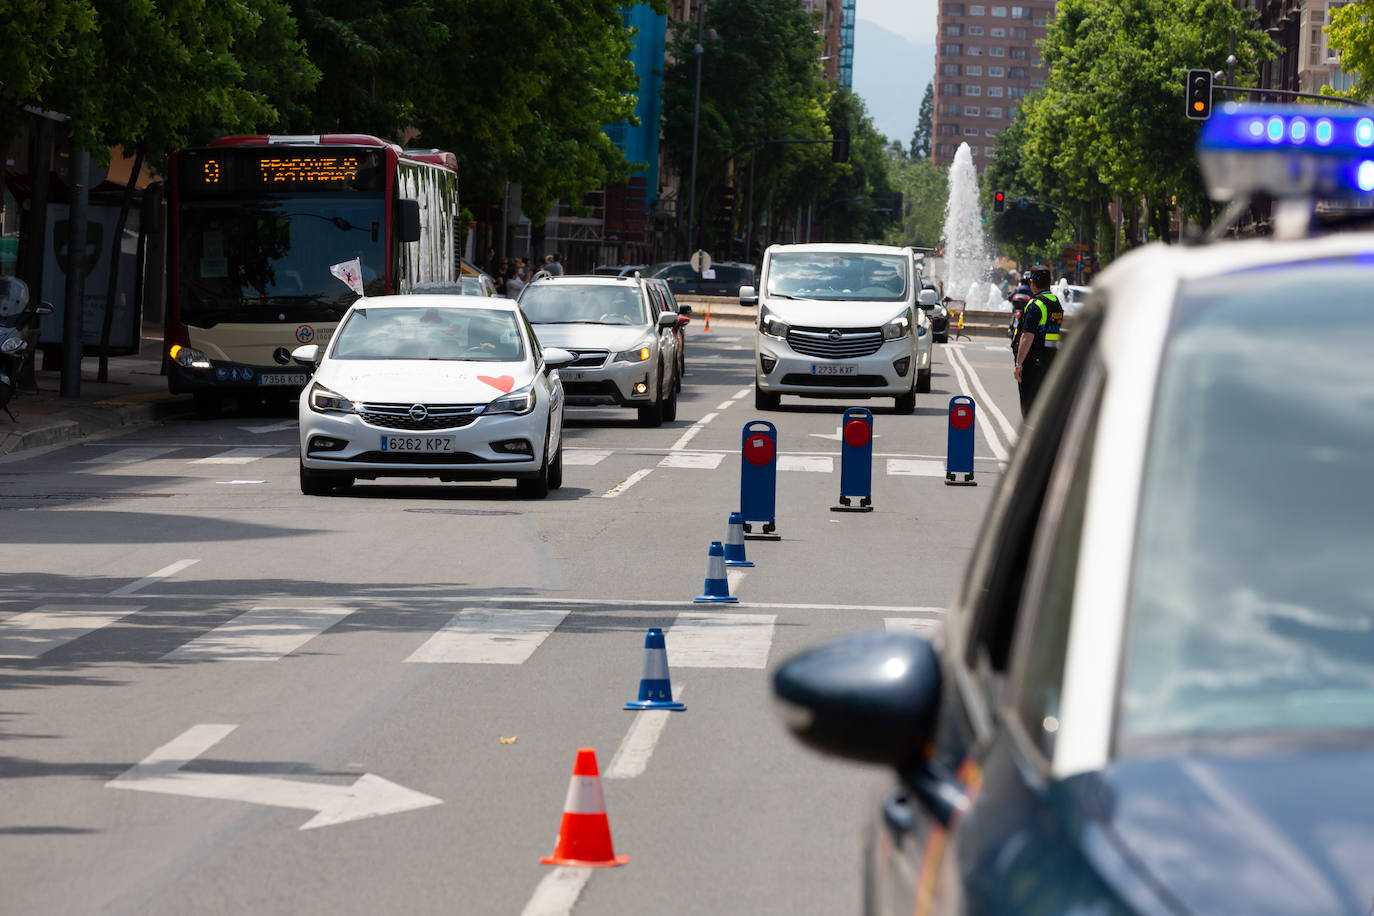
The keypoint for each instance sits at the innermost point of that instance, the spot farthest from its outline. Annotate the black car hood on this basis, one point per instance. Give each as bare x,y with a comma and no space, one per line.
1266,833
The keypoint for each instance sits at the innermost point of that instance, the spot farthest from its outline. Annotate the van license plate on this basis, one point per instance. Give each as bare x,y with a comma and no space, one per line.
834,370
425,444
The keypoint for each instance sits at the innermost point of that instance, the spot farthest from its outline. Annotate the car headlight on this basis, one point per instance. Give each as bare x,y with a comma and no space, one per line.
517,402
920,330
12,345
897,328
636,355
772,326
189,358
325,401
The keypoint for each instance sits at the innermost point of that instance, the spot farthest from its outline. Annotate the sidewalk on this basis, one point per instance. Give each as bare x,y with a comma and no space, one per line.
136,392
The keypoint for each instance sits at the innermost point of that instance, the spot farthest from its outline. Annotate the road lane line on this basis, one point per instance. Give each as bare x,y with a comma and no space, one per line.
584,457
921,626
708,461
625,484
989,404
696,428
264,634
725,405
43,629
165,572
903,467
489,636
632,757
987,429
720,640
816,464
240,456
126,456
557,893
742,393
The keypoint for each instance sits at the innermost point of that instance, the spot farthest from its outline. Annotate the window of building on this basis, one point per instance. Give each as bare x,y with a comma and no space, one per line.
997,33
1018,53
949,69
1037,84
991,131
954,9
1020,12
975,30
994,112
997,71
949,130
954,31
1020,34
1011,113
970,131
973,150
949,108
999,11
975,70
975,51
973,90
971,111
1016,92
975,11
1018,73
1039,20
950,89
995,92
998,51
953,50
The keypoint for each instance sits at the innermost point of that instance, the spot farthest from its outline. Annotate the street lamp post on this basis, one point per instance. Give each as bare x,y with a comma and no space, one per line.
698,49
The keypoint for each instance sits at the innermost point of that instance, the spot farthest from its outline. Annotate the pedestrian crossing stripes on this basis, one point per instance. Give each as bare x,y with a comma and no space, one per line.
490,636
39,631
239,456
701,640
263,634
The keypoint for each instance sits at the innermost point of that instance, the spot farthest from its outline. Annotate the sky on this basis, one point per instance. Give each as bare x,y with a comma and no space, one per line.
914,20
894,59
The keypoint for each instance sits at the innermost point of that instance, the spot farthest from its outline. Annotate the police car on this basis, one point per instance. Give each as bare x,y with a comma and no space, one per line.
1154,692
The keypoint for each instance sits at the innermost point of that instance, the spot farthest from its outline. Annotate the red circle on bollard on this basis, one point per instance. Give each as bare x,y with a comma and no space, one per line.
758,449
961,418
857,433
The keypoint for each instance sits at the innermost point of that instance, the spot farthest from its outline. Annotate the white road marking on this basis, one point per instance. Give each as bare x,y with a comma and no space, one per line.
987,403
987,429
742,393
921,626
489,636
695,428
906,467
232,482
816,464
632,757
725,405
557,893
625,484
161,771
837,435
165,572
264,634
125,456
32,633
239,456
699,460
999,348
734,575
719,640
584,457
259,430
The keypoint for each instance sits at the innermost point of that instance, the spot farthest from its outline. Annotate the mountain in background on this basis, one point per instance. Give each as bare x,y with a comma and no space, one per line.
890,75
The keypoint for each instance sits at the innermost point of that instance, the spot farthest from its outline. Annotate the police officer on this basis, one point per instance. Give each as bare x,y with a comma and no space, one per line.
1037,338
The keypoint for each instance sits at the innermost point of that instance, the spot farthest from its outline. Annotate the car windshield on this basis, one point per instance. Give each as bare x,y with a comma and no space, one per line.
573,303
1252,607
426,332
839,276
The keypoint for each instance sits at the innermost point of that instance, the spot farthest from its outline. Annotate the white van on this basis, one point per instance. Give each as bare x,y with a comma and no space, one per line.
839,321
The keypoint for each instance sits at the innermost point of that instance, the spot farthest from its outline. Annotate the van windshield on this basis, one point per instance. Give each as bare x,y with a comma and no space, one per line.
839,276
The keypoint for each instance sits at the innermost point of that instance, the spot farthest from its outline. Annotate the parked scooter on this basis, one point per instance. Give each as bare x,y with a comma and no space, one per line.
16,315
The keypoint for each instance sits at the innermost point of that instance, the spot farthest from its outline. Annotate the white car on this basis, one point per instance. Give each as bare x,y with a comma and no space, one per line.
453,387
839,321
624,345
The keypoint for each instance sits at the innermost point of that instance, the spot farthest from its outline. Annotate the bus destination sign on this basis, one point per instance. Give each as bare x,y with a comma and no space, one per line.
215,172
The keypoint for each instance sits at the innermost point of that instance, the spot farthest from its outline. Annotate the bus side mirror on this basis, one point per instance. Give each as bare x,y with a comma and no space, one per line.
407,220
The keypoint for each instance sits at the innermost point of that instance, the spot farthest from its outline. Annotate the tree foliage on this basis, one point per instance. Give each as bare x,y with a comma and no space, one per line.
1350,33
925,117
925,188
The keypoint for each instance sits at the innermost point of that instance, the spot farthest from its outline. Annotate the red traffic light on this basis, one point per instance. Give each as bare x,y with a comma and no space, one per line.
999,200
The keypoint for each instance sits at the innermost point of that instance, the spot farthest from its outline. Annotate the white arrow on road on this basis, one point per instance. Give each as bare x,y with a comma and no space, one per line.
837,435
369,796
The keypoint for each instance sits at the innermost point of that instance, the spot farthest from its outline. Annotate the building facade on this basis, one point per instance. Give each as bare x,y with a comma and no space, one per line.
987,60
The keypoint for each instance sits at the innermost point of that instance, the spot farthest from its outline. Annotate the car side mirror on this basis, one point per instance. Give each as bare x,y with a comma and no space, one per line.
557,358
684,310
44,308
308,355
927,298
748,295
683,320
407,220
667,319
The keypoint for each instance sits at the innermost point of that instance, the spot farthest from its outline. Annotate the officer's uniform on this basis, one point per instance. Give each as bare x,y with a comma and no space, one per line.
1042,317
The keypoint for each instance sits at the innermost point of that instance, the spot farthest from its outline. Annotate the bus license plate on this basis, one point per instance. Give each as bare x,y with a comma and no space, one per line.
424,444
833,370
281,379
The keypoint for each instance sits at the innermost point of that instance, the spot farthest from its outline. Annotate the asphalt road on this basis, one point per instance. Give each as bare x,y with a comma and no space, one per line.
222,696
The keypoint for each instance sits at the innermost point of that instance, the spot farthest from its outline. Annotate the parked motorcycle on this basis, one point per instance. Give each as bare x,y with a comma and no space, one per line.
16,315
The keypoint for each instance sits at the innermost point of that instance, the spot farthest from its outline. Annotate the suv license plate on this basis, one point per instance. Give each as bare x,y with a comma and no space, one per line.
282,378
429,444
834,370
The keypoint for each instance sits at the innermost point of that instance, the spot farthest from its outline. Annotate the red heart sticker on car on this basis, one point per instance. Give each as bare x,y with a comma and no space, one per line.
503,382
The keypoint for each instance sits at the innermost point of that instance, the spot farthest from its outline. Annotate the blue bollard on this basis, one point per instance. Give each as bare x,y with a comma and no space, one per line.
959,457
856,461
758,480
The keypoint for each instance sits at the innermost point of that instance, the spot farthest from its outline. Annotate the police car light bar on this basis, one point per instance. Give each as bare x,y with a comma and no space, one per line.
1287,151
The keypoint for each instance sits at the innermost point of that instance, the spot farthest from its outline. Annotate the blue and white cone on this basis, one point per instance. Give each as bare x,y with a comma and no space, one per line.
655,687
734,541
717,586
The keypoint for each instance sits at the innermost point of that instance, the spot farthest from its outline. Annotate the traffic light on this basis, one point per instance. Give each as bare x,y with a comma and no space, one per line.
839,147
1199,95
897,211
999,200
725,215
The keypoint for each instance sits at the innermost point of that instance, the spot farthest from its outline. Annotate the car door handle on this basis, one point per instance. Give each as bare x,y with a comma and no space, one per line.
897,811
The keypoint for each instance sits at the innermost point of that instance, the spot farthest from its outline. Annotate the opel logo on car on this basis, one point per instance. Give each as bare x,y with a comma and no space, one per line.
418,412
281,356
835,334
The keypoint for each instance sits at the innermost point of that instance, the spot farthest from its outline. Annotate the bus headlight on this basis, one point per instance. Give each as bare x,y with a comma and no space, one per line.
325,401
189,358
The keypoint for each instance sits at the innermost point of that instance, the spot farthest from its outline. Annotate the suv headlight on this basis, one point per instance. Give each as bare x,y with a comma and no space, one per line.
897,328
325,401
772,326
517,402
636,355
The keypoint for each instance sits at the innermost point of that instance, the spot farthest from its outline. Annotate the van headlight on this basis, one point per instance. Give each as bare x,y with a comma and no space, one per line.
897,328
517,402
772,326
323,400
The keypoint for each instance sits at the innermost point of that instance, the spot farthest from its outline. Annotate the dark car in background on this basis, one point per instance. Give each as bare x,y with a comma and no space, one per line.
722,278
663,294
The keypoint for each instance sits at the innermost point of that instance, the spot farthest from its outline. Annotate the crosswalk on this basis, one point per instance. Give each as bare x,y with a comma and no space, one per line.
486,635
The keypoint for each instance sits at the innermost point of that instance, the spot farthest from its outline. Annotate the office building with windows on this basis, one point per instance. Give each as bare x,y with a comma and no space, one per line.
986,60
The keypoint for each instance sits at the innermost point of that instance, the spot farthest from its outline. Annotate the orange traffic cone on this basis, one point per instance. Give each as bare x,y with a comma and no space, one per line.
708,317
584,837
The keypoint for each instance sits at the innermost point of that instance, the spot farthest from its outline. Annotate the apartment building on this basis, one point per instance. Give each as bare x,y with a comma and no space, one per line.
987,60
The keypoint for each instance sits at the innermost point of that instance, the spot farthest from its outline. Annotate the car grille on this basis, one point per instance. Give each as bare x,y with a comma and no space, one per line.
438,416
852,342
588,359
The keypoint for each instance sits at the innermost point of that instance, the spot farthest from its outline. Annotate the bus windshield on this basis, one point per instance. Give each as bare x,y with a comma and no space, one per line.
268,259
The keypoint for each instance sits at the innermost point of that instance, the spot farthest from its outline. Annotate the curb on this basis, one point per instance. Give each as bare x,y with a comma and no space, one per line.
83,421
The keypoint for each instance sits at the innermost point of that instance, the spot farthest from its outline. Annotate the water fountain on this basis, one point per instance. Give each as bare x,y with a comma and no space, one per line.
966,260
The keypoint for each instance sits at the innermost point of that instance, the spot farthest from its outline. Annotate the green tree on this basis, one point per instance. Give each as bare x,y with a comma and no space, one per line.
860,205
920,140
1350,33
925,190
37,40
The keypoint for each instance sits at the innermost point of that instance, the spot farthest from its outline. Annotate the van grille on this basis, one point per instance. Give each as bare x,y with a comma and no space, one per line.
822,343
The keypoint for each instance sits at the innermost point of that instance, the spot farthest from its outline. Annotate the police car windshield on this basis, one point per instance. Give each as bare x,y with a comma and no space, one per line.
1252,606
838,276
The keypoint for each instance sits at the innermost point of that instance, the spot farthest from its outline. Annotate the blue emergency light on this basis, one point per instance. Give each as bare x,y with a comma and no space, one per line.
1287,151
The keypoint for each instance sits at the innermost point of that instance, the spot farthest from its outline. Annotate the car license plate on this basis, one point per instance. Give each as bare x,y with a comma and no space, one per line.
833,370
282,379
425,444
572,376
